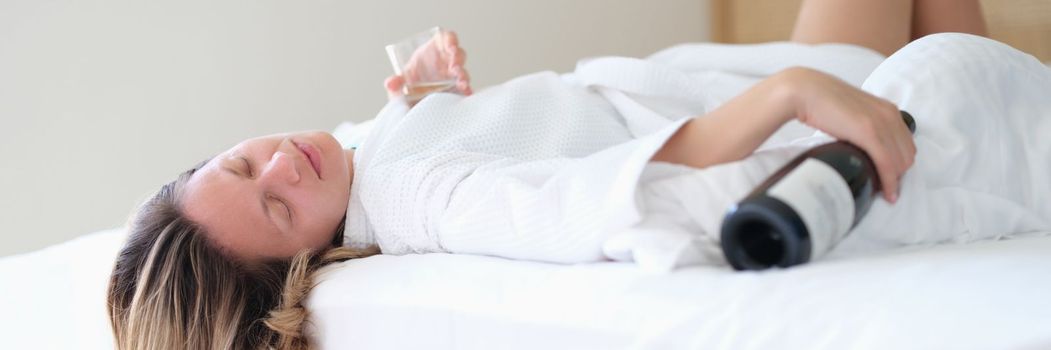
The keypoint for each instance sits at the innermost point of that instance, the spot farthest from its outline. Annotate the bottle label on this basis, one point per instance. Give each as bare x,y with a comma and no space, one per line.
821,197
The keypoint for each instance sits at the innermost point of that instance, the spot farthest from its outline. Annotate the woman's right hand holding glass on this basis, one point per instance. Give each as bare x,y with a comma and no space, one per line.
440,59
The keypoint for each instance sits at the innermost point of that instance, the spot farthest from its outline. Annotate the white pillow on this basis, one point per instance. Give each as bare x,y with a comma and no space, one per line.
55,298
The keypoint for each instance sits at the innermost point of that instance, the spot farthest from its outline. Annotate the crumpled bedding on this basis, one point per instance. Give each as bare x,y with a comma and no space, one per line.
980,106
983,113
545,167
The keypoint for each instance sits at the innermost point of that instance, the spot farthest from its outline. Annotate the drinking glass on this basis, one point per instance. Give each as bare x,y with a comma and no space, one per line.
423,61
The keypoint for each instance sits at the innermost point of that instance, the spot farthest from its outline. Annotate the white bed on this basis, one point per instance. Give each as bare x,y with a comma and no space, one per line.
987,295
992,295
983,295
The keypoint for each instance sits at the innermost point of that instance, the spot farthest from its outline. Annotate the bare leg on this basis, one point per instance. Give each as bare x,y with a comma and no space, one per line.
936,16
882,25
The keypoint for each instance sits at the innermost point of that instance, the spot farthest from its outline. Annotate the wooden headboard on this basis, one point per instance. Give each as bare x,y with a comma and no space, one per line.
1024,24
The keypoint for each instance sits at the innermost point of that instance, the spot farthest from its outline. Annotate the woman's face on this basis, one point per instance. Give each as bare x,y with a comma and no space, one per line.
272,196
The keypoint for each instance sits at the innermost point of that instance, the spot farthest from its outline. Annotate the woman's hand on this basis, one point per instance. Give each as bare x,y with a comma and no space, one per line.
734,130
847,113
442,58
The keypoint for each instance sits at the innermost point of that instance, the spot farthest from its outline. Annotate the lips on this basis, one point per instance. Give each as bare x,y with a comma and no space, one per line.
312,154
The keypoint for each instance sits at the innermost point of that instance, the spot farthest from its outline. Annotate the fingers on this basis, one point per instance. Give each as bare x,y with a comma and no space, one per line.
902,138
894,151
463,80
459,57
456,63
394,85
886,169
452,41
908,151
449,59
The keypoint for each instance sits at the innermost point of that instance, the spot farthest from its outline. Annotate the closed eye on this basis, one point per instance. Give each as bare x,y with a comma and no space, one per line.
284,205
247,167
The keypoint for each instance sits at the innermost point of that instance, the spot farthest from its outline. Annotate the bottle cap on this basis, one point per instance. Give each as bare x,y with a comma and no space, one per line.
909,121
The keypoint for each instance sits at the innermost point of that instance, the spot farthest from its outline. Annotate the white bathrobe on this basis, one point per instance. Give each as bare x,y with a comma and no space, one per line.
556,168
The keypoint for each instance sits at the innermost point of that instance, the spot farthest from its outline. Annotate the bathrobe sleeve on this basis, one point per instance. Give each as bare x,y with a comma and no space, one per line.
555,210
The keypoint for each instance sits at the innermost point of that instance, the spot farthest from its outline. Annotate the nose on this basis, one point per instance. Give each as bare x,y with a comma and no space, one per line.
281,169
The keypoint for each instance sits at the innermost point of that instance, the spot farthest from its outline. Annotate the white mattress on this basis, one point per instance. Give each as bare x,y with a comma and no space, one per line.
989,295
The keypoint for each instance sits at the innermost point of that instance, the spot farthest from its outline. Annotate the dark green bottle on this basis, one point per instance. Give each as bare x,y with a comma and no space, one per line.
801,211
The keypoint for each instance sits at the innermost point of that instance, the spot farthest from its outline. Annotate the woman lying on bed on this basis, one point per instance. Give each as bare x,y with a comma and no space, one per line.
554,168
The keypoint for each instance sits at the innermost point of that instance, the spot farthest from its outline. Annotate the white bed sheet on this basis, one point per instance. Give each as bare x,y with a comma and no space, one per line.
986,295
55,298
978,296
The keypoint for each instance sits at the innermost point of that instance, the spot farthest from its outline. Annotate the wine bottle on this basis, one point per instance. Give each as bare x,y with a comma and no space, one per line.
802,210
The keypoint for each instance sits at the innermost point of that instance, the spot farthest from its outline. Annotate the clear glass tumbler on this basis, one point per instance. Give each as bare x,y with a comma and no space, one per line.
423,61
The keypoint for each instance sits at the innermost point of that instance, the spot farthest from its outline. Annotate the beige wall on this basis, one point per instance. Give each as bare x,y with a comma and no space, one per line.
101,101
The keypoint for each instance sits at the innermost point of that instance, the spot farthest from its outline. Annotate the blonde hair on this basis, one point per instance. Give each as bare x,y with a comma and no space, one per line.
172,288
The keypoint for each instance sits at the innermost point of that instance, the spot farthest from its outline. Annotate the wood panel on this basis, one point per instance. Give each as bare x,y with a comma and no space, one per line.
753,21
1024,24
